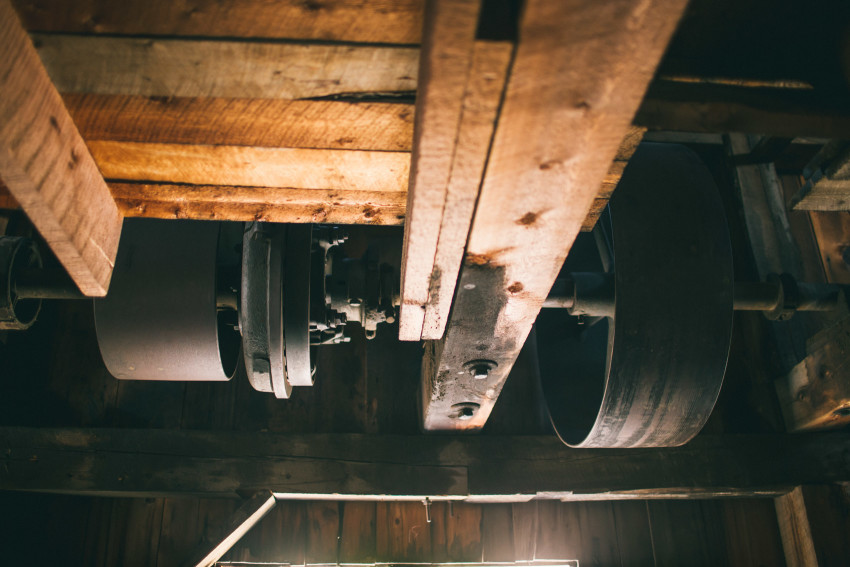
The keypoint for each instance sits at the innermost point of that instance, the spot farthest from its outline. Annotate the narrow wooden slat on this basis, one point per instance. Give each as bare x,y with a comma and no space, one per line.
447,52
322,529
795,530
712,108
47,168
245,518
579,74
279,204
524,523
363,21
487,76
248,166
231,69
358,538
243,122
497,534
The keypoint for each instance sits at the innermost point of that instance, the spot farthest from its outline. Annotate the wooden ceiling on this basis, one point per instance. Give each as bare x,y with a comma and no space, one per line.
494,133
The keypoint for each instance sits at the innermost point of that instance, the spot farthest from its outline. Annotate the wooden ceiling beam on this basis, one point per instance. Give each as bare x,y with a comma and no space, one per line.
269,204
269,123
140,462
225,68
445,66
48,169
361,21
579,74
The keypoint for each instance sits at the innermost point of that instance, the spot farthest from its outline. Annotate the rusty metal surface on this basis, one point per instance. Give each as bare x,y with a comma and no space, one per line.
649,376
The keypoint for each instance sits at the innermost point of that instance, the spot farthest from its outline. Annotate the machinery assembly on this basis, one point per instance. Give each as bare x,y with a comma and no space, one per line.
633,341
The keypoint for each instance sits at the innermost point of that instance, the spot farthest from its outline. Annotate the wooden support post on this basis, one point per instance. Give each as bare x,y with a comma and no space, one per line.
580,71
444,66
795,530
241,522
47,168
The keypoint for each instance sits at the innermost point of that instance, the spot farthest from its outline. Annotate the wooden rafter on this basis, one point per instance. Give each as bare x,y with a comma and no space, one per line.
47,167
578,76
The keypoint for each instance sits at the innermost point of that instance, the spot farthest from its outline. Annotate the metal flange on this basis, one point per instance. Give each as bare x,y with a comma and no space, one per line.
17,254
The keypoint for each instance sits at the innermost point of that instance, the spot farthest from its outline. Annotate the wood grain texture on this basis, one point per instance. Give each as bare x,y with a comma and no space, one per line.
579,74
712,108
445,60
243,519
832,233
230,69
486,83
362,21
271,123
279,204
249,166
7,201
815,394
47,168
795,530
333,466
612,178
827,186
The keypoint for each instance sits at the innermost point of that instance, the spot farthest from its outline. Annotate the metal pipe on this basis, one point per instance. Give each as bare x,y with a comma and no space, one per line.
590,294
37,283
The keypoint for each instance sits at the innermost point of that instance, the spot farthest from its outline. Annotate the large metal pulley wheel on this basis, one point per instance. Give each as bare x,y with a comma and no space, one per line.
644,369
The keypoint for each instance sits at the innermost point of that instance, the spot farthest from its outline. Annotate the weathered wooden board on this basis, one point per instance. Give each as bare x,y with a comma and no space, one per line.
362,21
340,466
487,77
275,204
827,186
795,530
273,123
46,166
615,172
297,168
816,393
703,107
220,68
579,74
444,65
832,232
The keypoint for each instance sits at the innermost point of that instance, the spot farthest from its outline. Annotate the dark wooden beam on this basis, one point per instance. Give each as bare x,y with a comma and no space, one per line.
130,462
707,107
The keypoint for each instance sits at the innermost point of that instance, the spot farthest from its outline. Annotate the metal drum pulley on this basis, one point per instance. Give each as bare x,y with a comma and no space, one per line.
639,358
186,295
166,315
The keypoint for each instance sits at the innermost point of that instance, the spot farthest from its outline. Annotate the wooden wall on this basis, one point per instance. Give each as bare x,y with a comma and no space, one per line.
163,532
